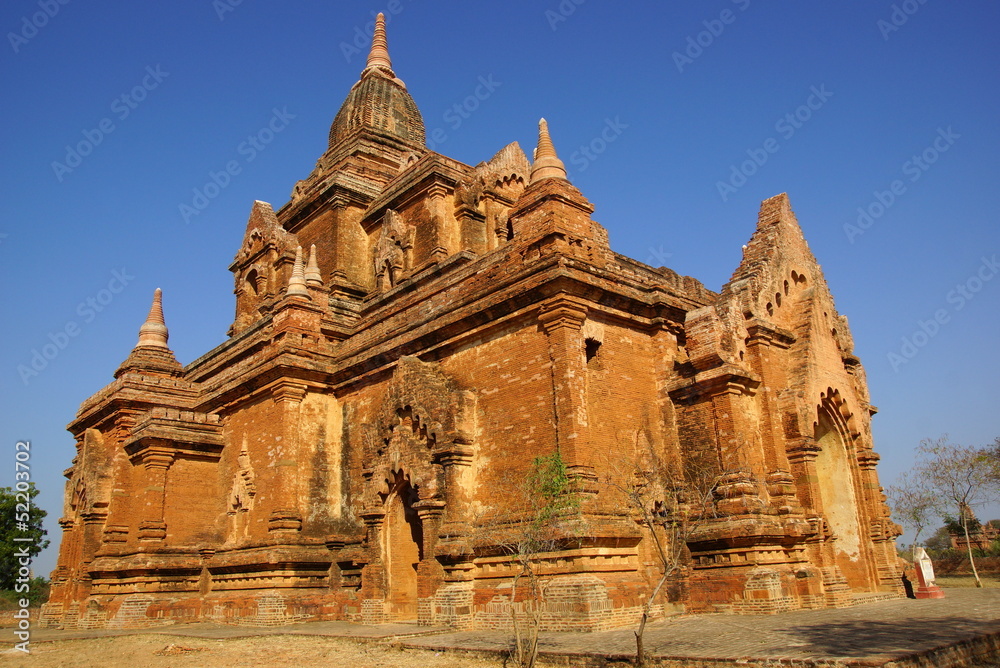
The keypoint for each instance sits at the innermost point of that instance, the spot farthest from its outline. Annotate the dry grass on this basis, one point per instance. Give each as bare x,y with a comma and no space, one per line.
990,580
142,651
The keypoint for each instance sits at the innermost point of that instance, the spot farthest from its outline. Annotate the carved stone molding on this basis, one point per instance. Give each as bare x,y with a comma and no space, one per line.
288,392
761,333
284,520
802,450
562,311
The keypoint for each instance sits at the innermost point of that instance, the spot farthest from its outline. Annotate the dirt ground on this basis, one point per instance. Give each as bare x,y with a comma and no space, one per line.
151,651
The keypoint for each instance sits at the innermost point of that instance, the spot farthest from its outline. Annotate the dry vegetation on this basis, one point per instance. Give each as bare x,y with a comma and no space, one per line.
159,651
990,580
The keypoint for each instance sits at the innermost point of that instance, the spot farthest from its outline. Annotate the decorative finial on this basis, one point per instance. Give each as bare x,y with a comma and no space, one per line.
313,276
297,283
547,164
153,333
379,55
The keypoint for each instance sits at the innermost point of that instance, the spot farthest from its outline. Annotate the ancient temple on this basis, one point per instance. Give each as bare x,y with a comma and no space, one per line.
410,332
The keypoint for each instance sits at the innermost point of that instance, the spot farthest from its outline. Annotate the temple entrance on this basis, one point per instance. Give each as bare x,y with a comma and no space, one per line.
403,551
840,505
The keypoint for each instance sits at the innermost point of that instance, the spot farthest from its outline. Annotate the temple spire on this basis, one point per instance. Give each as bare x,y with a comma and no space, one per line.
151,356
297,283
153,333
547,164
379,54
313,275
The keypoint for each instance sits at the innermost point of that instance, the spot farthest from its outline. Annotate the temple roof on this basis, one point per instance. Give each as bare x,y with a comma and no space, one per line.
379,101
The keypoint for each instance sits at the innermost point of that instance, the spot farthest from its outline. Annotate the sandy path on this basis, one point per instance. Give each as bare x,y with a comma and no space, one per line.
292,651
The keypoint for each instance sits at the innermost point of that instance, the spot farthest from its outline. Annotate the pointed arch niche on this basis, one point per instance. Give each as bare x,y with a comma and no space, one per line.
836,479
403,541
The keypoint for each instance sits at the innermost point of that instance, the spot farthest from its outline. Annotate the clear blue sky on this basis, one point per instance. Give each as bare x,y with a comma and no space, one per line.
666,119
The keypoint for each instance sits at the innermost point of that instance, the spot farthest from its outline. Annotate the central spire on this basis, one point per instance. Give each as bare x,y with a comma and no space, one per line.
153,333
379,101
546,164
379,55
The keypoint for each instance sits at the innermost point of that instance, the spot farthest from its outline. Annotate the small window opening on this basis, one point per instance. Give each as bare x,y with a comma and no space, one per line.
251,282
590,347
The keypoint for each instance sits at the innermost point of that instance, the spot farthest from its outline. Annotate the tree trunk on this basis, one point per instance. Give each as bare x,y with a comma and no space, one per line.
518,645
640,657
533,643
536,620
640,654
968,546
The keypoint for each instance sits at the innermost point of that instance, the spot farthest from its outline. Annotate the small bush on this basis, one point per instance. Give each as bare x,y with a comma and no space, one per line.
38,593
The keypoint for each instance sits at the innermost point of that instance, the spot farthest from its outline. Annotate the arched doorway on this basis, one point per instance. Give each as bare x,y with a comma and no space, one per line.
837,486
836,481
403,550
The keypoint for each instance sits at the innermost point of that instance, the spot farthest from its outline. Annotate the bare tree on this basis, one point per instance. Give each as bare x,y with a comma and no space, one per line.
671,502
912,505
534,515
958,478
993,460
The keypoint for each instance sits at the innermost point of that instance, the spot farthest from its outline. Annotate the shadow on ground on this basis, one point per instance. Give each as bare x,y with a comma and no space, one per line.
864,637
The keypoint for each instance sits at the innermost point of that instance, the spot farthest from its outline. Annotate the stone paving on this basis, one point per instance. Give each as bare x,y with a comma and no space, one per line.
873,634
870,634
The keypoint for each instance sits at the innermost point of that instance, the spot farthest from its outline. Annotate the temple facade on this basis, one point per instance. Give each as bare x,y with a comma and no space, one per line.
411,333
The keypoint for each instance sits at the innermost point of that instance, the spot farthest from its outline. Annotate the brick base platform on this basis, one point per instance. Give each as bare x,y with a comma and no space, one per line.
959,631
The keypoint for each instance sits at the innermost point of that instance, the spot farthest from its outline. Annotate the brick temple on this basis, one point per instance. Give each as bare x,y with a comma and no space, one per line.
410,332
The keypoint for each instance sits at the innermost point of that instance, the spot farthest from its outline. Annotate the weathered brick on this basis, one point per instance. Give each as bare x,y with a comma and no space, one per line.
410,334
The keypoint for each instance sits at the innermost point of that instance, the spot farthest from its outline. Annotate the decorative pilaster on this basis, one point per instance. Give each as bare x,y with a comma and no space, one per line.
285,515
373,577
562,318
452,547
455,459
765,351
802,454
882,530
442,244
430,573
156,462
